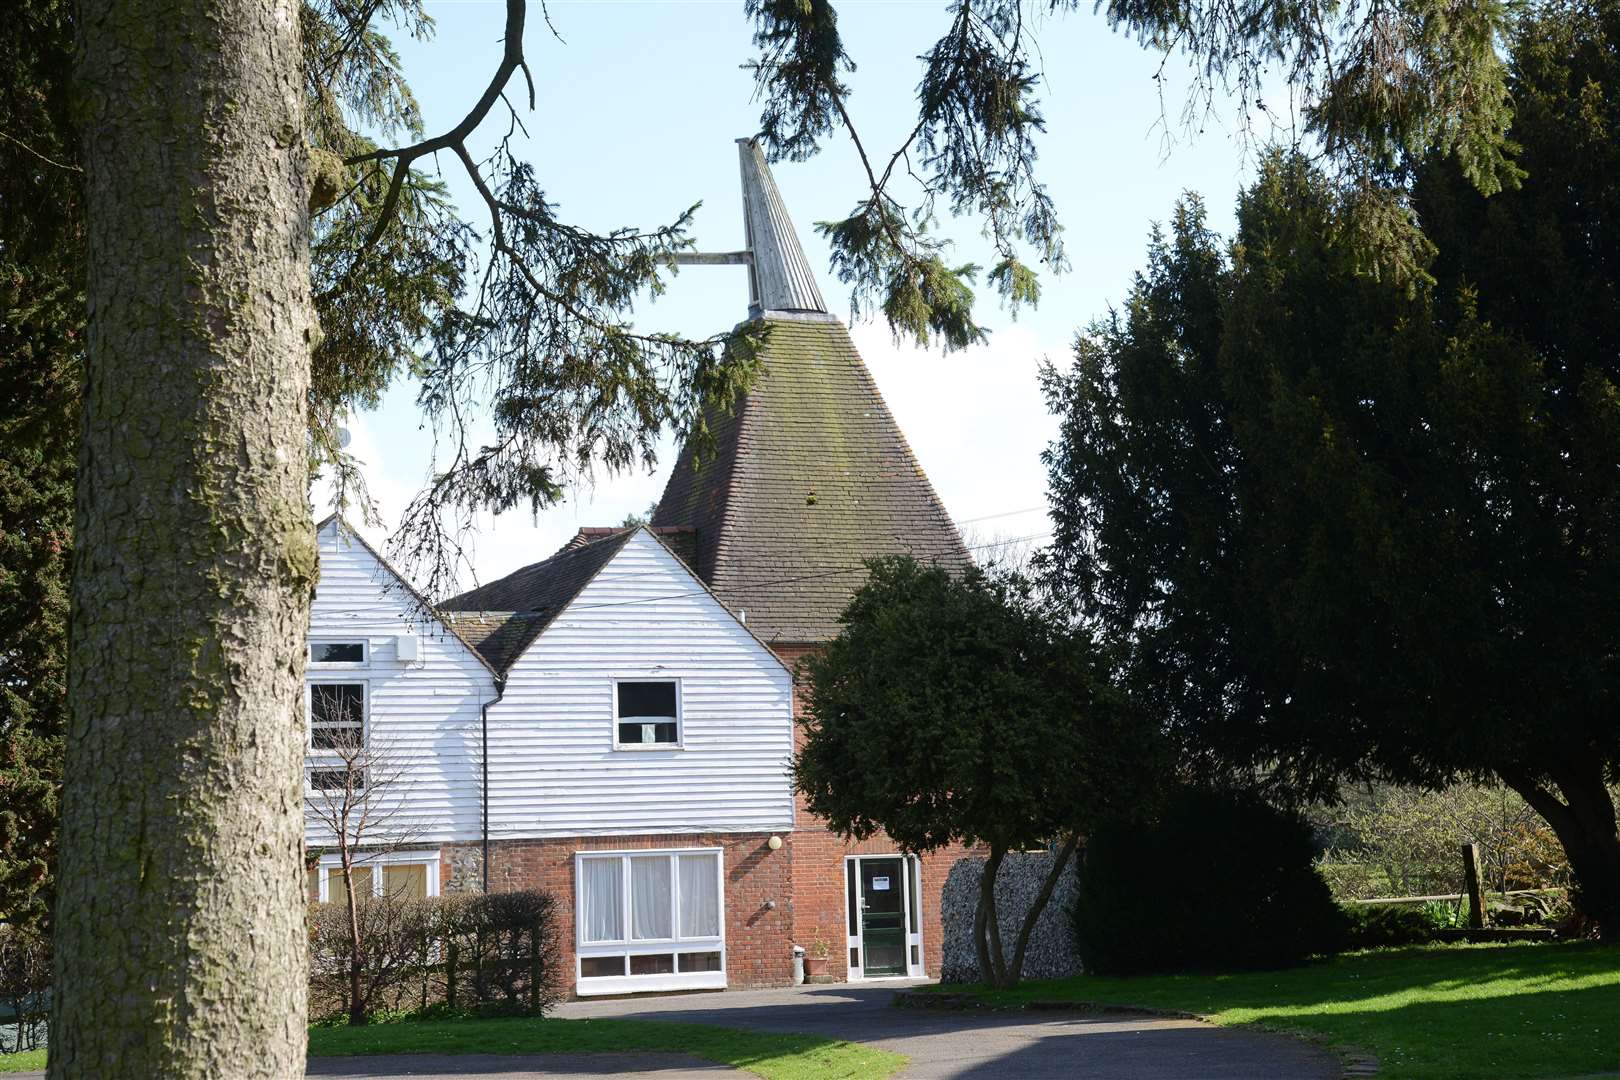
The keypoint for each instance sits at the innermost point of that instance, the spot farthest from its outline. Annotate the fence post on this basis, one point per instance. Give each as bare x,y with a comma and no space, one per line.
1476,899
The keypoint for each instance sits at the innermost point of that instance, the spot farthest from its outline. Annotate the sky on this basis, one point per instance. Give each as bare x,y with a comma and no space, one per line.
637,111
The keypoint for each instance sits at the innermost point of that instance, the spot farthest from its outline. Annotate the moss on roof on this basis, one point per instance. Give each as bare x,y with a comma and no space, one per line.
809,477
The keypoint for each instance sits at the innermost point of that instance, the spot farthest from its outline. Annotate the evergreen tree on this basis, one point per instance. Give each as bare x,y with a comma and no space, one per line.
1349,529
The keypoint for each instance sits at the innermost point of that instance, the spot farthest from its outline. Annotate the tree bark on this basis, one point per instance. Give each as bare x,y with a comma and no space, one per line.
1060,859
180,940
986,928
1584,821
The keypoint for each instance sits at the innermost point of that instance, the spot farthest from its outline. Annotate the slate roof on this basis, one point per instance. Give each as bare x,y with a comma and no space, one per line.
809,477
502,617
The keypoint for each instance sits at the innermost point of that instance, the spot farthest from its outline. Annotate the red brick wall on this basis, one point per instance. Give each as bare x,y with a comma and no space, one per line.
819,903
758,943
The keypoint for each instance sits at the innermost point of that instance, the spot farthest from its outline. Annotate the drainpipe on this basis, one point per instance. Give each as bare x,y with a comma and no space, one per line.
483,712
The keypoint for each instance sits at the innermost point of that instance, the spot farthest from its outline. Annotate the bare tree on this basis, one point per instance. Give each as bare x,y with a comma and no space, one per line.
359,800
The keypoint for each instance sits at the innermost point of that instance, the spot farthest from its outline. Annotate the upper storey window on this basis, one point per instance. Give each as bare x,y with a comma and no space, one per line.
647,714
326,653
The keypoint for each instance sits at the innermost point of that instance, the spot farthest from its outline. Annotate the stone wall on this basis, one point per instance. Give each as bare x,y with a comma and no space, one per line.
1050,954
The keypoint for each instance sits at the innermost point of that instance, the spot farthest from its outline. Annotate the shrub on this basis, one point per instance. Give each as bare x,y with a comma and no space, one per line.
25,983
1375,925
502,954
1218,880
480,953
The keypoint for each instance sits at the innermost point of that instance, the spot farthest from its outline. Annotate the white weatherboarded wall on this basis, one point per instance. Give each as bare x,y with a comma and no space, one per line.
423,721
553,767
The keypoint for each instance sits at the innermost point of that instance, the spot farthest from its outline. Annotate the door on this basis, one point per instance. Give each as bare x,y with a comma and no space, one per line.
883,917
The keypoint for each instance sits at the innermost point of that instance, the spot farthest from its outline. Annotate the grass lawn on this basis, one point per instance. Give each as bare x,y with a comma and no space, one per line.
773,1056
27,1061
1434,1013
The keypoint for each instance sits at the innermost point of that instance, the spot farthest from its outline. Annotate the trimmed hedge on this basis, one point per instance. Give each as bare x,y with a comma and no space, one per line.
1220,880
493,953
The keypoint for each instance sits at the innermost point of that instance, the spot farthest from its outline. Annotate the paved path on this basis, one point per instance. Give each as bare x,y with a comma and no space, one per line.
948,1045
942,1045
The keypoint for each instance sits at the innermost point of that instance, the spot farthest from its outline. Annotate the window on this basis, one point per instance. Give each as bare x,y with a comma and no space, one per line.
649,920
337,715
648,714
404,875
337,780
337,652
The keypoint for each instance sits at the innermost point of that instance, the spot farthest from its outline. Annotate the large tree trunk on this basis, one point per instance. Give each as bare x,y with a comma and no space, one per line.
180,940
1584,821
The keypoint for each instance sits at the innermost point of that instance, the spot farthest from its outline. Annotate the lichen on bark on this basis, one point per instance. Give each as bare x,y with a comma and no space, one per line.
180,929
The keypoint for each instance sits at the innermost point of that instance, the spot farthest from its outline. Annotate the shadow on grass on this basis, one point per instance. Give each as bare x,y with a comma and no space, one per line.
1429,1013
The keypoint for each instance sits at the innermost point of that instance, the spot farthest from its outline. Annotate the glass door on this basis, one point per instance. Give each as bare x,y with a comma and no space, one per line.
883,916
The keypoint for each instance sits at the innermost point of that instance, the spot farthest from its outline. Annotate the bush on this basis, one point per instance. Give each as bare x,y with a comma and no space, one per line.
1219,880
1376,925
471,953
25,984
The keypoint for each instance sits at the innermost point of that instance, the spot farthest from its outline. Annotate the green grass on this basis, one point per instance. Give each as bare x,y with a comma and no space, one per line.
1434,1013
773,1056
27,1061
768,1054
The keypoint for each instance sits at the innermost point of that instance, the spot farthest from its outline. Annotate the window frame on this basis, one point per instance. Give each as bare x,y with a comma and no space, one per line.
337,665
626,946
377,860
326,759
680,715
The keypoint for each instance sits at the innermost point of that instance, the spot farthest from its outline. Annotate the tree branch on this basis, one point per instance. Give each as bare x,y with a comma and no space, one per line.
454,139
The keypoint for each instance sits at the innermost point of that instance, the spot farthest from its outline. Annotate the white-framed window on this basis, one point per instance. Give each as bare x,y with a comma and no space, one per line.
649,920
339,653
403,874
337,715
647,714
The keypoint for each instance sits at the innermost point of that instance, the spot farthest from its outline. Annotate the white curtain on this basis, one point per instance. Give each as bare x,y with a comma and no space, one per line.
604,903
700,896
650,898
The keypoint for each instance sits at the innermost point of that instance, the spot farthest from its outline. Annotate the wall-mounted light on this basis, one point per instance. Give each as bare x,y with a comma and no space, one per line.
774,843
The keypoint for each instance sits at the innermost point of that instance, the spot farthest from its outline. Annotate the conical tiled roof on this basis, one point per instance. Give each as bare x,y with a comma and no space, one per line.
811,475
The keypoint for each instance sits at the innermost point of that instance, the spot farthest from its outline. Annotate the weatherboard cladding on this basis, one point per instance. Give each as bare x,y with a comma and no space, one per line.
553,767
423,716
808,478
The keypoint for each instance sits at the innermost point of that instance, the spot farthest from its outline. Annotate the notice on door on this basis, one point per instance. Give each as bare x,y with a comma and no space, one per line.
880,884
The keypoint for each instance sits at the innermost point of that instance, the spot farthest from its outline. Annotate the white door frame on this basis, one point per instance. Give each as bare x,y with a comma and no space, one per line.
910,901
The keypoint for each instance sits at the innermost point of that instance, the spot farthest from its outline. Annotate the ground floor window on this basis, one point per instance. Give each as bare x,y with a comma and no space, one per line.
649,920
407,875
883,901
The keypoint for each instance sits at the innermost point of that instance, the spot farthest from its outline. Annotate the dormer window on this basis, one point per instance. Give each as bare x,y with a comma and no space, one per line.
647,714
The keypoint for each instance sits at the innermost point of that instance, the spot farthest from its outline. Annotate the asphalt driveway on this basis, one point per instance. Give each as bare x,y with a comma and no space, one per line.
983,1045
942,1045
